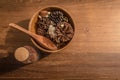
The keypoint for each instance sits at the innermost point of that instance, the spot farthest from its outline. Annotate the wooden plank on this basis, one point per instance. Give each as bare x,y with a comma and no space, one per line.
92,55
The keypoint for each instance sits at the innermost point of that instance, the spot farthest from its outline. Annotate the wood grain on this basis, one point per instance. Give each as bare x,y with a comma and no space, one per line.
94,53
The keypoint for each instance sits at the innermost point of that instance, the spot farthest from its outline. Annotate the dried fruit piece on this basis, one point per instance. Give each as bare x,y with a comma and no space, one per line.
51,31
42,25
40,31
44,13
65,19
64,32
56,16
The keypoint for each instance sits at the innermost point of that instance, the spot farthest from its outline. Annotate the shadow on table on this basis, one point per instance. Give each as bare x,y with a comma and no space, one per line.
15,39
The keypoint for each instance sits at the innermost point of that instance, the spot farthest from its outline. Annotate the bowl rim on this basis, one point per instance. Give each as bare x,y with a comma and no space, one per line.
41,48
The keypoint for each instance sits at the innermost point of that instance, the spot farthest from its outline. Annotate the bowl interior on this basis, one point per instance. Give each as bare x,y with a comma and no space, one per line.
33,21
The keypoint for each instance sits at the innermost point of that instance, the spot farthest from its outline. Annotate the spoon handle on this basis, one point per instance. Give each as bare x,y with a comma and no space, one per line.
22,29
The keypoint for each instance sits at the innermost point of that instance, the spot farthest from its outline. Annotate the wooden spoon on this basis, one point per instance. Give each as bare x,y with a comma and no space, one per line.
45,42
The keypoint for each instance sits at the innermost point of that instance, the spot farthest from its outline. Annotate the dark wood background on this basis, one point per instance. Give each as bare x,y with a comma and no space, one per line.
94,53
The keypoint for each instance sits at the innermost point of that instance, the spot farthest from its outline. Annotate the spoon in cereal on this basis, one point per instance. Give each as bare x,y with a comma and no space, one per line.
41,40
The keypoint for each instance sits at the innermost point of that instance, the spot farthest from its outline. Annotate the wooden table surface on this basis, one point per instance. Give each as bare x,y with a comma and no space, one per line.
94,53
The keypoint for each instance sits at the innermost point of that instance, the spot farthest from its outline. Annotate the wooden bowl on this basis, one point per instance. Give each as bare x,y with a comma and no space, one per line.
33,21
